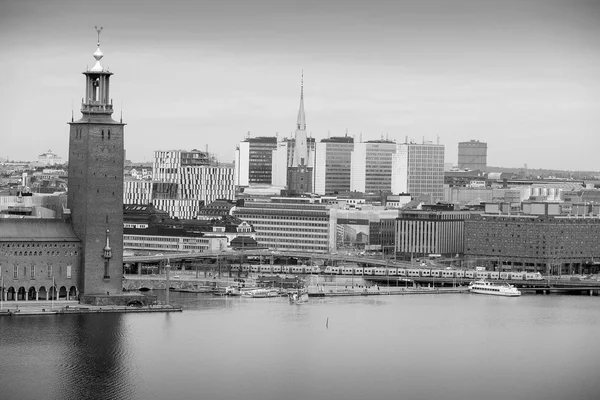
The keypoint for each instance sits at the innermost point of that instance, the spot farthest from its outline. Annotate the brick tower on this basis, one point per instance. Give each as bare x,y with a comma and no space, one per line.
95,195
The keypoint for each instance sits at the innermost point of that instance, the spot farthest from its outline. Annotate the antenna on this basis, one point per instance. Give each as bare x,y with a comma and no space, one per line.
72,119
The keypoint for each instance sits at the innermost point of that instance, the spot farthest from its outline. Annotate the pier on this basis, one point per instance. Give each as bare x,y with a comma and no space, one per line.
29,308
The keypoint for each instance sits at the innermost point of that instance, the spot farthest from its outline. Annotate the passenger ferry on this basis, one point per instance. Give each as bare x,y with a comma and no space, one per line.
485,287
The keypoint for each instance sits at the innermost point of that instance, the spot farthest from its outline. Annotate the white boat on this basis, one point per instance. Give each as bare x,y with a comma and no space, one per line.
260,293
485,287
298,297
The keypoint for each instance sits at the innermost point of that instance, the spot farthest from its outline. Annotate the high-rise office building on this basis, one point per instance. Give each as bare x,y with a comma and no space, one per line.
419,170
333,163
254,161
472,155
371,170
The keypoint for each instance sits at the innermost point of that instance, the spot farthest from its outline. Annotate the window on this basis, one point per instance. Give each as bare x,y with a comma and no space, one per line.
15,271
49,271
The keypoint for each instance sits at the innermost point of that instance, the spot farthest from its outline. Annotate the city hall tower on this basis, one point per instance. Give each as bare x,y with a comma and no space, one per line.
95,194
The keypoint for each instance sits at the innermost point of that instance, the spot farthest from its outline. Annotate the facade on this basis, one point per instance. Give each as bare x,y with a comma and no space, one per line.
288,224
371,169
370,228
300,171
418,169
95,195
551,245
184,181
137,191
472,155
423,232
254,161
333,164
149,230
40,259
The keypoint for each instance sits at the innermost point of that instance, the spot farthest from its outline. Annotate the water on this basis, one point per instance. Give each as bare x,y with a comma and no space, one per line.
385,347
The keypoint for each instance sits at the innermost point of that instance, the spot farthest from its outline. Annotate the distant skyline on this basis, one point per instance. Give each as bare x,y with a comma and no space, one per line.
521,75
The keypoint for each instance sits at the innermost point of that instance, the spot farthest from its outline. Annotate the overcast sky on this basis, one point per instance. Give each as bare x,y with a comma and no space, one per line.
521,75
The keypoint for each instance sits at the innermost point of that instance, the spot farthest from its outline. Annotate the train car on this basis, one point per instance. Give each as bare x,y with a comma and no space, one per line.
380,271
359,271
312,269
401,272
533,276
482,274
255,268
470,274
245,267
425,272
494,275
516,276
276,269
285,269
392,272
448,273
235,268
266,269
335,270
435,273
328,269
347,271
297,269
413,272
504,275
369,271
459,273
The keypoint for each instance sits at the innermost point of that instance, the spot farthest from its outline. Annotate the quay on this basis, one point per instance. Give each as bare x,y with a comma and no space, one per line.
61,307
339,291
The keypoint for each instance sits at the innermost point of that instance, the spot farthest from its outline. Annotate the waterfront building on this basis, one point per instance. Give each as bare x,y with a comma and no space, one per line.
300,171
430,231
149,230
371,170
472,155
95,195
288,223
40,259
418,169
254,161
184,181
333,164
547,244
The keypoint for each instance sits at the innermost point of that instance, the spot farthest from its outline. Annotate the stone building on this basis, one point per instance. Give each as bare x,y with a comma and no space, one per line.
548,244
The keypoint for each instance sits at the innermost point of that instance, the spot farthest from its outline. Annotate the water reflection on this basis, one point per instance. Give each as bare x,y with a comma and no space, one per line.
431,346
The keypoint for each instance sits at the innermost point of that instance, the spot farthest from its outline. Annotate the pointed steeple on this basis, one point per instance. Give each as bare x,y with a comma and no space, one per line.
301,116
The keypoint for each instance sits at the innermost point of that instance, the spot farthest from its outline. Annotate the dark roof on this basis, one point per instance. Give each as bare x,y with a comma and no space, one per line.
245,240
36,229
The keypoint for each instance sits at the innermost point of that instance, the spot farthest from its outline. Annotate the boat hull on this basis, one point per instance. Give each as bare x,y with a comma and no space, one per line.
477,291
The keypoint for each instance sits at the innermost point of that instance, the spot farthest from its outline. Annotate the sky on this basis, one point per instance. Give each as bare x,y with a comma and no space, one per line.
521,75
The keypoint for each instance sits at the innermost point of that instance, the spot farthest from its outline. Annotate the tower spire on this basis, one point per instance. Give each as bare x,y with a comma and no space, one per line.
301,116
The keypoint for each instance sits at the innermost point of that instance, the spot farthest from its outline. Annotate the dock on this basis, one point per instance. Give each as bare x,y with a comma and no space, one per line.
29,308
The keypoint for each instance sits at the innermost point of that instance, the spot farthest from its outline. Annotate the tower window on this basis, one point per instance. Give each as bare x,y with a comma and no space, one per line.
109,134
102,134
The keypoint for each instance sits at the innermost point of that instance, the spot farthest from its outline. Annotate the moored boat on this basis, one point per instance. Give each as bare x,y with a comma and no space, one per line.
485,287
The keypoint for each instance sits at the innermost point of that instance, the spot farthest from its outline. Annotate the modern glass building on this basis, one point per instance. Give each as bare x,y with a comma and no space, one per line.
333,165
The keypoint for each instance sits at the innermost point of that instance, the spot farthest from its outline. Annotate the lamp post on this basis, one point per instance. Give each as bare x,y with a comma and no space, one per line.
167,268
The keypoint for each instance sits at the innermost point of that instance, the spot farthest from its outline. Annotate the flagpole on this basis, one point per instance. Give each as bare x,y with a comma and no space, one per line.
52,295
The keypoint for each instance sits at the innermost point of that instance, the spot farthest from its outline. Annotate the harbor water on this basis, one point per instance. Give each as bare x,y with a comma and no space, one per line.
432,346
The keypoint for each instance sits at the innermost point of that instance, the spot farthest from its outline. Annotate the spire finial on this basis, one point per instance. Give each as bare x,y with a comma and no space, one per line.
301,118
98,30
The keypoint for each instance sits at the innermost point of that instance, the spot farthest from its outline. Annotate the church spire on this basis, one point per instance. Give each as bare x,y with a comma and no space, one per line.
301,116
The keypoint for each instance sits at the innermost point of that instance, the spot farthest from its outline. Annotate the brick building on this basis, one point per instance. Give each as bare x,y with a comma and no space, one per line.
549,244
